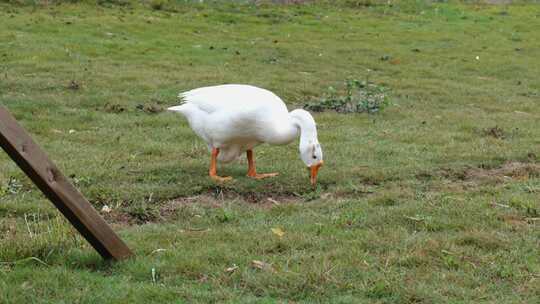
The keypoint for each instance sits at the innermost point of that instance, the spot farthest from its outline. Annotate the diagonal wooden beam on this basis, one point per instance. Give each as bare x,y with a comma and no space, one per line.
48,178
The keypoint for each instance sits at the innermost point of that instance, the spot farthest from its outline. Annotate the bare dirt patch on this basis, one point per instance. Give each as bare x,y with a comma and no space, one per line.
213,199
282,1
509,170
514,220
476,176
497,1
262,200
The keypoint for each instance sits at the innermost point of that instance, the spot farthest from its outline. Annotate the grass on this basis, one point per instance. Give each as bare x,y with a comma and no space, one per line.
421,202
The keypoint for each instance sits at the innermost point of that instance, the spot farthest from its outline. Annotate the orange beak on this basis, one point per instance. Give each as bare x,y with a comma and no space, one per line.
314,170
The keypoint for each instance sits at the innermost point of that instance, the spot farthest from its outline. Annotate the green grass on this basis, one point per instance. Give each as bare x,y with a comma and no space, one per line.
424,202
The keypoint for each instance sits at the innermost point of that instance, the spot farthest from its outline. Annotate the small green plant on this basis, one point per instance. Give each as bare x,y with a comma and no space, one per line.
495,132
13,186
110,3
358,97
143,212
225,215
526,206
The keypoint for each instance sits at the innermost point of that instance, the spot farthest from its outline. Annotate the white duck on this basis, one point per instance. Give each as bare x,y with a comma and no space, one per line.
234,119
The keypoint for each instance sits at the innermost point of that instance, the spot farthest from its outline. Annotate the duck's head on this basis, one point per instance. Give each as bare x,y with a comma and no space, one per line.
312,155
310,149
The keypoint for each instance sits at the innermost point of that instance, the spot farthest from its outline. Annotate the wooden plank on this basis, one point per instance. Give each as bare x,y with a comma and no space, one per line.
48,178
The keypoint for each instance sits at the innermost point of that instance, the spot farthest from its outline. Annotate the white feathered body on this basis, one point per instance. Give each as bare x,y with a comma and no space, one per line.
236,118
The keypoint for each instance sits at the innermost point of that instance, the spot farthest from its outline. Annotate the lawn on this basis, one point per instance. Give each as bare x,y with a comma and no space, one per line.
435,199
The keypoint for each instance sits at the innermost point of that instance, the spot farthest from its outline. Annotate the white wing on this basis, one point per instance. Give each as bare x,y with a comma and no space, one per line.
232,98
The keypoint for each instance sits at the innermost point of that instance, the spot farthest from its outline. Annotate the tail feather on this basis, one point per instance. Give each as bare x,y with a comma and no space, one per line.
175,108
184,96
183,100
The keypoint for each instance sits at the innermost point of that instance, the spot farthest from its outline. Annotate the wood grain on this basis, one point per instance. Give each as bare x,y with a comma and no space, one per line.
43,172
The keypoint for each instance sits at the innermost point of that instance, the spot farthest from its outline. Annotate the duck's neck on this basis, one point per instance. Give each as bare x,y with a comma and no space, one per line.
303,121
299,122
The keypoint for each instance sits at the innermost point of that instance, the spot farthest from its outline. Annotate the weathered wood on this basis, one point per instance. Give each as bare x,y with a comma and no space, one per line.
48,178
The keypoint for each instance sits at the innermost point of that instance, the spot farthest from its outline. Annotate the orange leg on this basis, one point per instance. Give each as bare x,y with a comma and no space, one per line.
213,168
252,172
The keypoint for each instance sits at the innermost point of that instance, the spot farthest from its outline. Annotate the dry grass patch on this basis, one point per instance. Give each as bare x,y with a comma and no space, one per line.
476,176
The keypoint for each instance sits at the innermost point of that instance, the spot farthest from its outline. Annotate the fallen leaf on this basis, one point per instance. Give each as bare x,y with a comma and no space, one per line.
326,195
273,201
106,209
231,269
262,266
278,232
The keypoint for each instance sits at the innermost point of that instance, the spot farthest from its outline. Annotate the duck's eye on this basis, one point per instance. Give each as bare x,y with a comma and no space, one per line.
314,157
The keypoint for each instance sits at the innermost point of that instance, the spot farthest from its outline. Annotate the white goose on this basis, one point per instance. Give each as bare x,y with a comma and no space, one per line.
234,119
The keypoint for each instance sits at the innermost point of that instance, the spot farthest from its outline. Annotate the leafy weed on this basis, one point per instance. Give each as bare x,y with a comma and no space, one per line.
357,97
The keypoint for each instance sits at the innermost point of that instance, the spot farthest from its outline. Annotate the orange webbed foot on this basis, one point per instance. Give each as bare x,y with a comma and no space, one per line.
262,175
221,179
